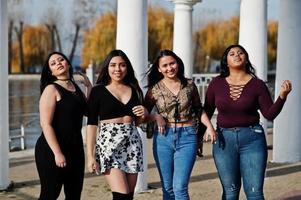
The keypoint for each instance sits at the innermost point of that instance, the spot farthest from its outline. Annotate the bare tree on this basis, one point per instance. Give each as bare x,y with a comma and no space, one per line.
15,16
84,14
58,38
51,20
19,33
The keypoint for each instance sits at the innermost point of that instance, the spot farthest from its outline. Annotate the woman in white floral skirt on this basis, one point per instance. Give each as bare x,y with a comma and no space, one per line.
115,108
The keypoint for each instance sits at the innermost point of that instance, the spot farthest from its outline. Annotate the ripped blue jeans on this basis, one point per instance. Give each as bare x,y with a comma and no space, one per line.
240,155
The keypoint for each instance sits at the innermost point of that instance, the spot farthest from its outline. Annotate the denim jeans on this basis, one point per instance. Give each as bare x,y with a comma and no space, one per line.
240,154
175,154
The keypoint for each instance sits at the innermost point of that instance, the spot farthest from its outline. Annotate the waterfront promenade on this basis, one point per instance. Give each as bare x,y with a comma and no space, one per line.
283,181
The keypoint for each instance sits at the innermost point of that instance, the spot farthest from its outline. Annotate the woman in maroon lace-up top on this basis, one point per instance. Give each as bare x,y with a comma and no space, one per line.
240,153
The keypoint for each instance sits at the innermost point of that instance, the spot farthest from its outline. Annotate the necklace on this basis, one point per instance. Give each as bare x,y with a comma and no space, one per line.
66,80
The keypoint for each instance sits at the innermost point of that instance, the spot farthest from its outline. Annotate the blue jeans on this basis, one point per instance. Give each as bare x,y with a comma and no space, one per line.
241,154
175,154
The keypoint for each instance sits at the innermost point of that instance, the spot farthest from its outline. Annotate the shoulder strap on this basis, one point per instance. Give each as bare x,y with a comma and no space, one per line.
59,89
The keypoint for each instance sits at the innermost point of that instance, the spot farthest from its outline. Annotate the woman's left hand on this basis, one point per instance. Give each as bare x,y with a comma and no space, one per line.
210,133
140,111
285,89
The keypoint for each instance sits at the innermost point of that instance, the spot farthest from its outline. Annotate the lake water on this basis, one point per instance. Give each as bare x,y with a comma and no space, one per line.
24,97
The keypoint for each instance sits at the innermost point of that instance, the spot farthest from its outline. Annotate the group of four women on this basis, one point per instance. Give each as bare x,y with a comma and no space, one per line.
115,106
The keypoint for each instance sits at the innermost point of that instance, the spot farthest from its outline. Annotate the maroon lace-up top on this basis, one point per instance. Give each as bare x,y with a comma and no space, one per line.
238,105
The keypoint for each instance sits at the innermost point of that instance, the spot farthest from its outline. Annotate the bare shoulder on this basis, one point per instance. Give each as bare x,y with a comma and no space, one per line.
50,92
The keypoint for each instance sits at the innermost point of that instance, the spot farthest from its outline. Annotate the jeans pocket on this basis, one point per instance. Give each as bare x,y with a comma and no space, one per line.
257,132
190,130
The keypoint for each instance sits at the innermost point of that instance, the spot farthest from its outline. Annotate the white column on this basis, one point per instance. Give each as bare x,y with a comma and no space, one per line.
287,126
182,34
132,39
253,37
4,168
90,72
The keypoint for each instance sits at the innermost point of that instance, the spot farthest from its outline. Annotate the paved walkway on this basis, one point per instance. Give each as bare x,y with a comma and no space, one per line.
283,181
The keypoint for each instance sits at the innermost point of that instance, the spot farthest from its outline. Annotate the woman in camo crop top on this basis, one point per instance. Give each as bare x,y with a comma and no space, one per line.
175,140
115,105
241,150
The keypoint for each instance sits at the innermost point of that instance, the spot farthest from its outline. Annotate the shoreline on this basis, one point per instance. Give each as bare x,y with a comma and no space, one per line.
13,77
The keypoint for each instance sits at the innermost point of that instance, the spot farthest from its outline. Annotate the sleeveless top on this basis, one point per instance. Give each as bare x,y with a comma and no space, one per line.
103,105
68,116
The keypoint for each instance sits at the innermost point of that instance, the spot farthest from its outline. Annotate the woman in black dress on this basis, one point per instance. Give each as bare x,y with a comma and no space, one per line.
59,151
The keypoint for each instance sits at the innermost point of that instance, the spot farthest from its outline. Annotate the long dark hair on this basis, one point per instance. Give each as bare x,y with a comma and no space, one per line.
153,74
130,79
46,75
224,72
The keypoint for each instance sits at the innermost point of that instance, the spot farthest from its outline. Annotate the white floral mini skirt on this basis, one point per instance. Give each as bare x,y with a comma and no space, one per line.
119,146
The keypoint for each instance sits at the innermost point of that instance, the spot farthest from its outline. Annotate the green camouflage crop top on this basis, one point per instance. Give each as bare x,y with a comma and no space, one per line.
186,102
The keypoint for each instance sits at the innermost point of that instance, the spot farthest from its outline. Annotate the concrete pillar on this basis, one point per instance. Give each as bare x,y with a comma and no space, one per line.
4,167
287,126
132,39
182,34
253,37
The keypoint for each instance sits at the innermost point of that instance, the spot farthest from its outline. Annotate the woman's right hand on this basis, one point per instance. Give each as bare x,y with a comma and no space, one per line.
161,123
210,134
92,166
60,160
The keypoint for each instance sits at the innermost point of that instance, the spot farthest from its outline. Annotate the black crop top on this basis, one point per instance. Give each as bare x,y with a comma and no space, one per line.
103,105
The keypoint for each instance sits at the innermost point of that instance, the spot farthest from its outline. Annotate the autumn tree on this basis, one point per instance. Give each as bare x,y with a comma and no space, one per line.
272,43
160,31
15,66
212,40
37,45
99,40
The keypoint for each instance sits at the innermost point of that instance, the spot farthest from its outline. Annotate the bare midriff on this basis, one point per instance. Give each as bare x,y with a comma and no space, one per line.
123,120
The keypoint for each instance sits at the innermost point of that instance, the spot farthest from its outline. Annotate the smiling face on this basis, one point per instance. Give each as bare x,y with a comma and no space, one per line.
236,58
117,69
168,67
58,65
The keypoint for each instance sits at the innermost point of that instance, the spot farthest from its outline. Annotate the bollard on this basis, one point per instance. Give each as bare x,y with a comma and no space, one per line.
22,138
